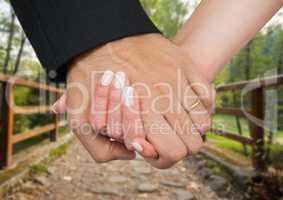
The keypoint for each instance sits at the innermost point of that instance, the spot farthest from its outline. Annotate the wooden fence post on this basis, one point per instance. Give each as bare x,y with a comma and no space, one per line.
7,121
257,132
54,133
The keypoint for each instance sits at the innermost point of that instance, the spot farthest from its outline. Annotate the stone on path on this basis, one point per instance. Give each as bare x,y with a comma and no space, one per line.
42,180
147,187
172,184
184,195
28,186
51,170
67,178
21,196
107,191
75,176
217,183
170,172
204,173
164,198
143,170
118,179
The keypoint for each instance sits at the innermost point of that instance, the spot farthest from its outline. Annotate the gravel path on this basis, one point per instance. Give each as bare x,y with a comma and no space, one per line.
75,176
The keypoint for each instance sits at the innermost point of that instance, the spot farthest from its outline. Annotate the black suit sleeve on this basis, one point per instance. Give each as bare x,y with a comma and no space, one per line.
60,30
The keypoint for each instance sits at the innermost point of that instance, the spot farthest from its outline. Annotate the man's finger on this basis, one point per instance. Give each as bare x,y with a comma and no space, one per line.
161,135
114,118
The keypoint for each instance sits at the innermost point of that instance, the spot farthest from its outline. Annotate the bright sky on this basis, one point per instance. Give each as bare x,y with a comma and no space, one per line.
277,19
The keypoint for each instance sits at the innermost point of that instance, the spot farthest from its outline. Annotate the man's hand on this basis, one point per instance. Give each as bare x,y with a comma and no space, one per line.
155,68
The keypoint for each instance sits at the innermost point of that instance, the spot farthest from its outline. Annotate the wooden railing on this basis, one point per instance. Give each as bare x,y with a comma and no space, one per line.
8,110
256,139
8,138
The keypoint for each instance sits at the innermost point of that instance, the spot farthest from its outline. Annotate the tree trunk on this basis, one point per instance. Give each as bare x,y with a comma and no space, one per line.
248,60
20,53
280,62
9,43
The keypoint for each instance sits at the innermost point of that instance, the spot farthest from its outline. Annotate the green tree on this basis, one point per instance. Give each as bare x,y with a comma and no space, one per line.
167,15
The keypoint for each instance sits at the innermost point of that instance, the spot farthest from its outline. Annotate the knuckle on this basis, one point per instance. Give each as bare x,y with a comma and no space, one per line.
164,165
205,124
104,155
174,156
160,163
196,146
100,159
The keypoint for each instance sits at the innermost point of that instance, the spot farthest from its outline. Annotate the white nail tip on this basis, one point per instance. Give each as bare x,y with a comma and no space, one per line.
53,108
107,78
137,147
120,79
128,96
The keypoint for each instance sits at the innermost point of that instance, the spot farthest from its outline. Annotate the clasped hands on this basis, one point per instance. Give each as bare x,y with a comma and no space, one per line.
141,93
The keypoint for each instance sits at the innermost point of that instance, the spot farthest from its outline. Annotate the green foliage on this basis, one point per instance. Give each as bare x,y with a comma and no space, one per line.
39,169
61,150
167,15
263,56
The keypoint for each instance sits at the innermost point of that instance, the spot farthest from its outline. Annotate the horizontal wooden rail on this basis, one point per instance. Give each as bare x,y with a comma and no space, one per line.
230,111
37,131
233,136
9,110
31,133
26,110
264,82
28,83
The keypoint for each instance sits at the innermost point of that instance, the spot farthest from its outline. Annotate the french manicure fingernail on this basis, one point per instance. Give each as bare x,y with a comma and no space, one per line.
137,147
107,78
128,96
53,108
120,78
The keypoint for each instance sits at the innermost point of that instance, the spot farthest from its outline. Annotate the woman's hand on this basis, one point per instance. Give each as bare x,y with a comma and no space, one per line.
217,30
171,111
115,113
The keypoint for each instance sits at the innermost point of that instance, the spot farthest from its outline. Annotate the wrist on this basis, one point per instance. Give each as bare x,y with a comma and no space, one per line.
207,67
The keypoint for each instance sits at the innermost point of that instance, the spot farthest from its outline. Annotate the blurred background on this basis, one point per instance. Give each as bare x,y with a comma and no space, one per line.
236,147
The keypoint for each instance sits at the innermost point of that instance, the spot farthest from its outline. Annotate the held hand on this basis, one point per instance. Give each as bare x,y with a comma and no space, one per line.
156,68
115,111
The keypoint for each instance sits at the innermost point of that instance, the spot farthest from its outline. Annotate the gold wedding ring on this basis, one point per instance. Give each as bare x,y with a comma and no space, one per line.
194,105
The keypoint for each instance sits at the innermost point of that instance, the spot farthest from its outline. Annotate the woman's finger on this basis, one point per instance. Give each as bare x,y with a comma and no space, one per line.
98,112
60,105
99,147
114,118
134,133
